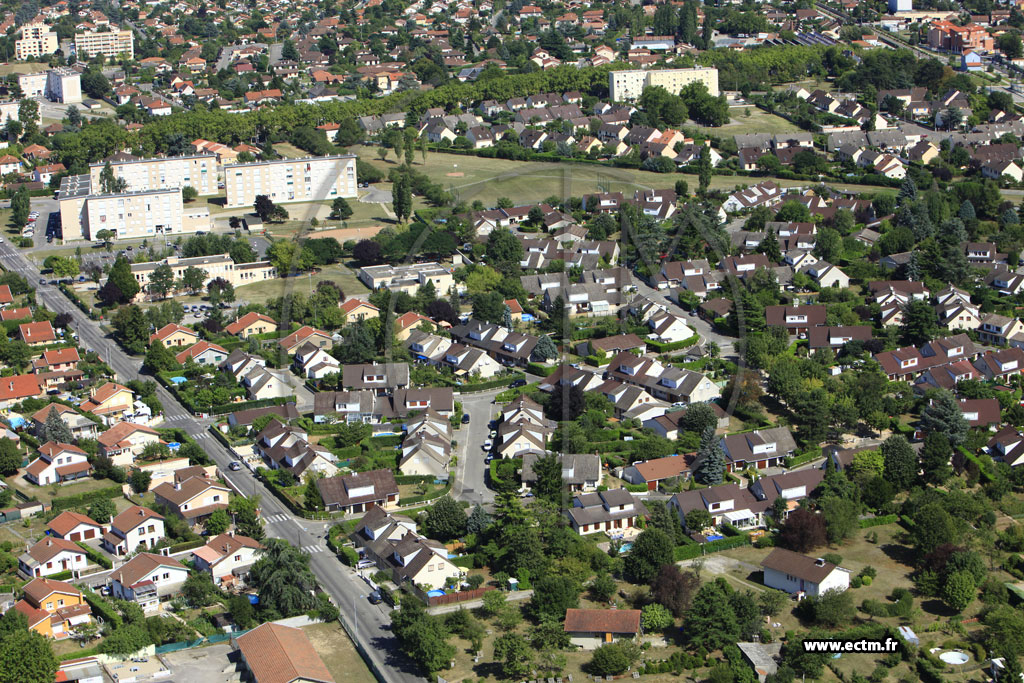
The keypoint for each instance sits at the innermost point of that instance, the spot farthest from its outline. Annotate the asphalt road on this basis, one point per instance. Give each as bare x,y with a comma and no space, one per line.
471,471
702,327
348,592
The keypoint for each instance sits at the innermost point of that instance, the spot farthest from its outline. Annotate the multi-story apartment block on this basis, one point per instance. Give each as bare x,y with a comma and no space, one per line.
196,171
37,40
291,180
407,278
84,212
629,85
111,44
217,266
63,85
9,112
33,84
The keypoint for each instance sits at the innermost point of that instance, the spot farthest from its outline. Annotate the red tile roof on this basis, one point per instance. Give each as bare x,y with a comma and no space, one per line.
625,621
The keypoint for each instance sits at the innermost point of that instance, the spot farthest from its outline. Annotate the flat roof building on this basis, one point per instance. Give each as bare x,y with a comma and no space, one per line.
198,171
37,40
216,266
111,44
629,85
291,180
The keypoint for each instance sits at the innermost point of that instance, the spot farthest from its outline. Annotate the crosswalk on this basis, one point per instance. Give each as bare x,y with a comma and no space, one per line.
312,549
275,519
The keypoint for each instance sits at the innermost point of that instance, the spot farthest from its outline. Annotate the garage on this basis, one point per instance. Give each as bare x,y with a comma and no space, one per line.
75,537
89,533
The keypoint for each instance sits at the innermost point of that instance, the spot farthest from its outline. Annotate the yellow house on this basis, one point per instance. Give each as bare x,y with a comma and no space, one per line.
252,323
110,401
172,335
355,310
407,322
53,608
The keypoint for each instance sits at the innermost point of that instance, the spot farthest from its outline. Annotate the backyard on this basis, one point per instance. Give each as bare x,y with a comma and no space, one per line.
339,654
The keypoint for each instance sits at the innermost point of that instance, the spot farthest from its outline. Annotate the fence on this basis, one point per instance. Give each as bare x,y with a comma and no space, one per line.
353,635
206,640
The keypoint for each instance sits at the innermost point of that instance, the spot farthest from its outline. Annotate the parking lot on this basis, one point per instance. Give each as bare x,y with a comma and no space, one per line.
213,663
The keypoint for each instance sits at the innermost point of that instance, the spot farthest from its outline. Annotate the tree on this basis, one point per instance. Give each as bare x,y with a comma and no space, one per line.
935,459
126,640
217,523
552,596
704,171
479,520
193,279
959,590
282,578
841,517
603,587
121,275
189,194
56,429
340,209
367,252
26,657
711,622
771,602
401,197
161,281
445,520
697,520
220,290
802,531
655,618
651,549
242,612
140,480
11,458
515,654
488,307
933,527
109,183
832,609
62,266
920,324
711,459
103,510
613,659
311,495
264,207
545,348
900,462
199,590
942,415
159,358
674,588
132,327
548,472
504,250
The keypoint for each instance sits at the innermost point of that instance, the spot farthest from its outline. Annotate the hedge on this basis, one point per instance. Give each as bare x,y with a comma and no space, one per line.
636,488
803,458
689,552
401,479
61,576
538,369
982,467
878,521
348,555
187,545
101,607
98,558
662,347
466,561
503,381
83,499
248,405
219,436
75,654
595,361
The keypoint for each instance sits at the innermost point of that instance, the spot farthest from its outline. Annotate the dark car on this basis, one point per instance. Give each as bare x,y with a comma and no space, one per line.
375,598
465,418
517,383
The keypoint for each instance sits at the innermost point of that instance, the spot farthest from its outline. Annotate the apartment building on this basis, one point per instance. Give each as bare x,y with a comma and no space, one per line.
111,44
63,85
84,212
629,85
197,171
291,180
216,266
407,278
37,40
33,84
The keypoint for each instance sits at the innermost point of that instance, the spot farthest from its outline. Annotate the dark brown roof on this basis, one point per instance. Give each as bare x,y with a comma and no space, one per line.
602,621
336,490
800,566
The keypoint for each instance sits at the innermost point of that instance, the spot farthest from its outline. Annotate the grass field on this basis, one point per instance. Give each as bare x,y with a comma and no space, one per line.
759,121
260,292
290,151
533,181
23,68
339,654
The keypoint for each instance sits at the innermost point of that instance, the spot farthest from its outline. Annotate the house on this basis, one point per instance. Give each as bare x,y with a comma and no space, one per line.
580,472
760,448
125,441
81,427
765,193
148,580
50,556
356,310
57,360
981,412
303,335
227,558
392,543
617,344
287,447
274,653
53,609
384,378
74,527
653,472
796,319
315,363
359,491
792,572
427,446
790,486
668,328
193,499
664,382
245,418
203,353
589,629
173,334
16,388
614,512
38,333
997,329
250,324
469,362
135,528
726,504
58,462
835,338
409,321
110,402
1001,364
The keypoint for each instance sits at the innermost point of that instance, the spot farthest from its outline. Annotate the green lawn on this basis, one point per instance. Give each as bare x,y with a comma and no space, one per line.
287,149
46,493
759,121
260,292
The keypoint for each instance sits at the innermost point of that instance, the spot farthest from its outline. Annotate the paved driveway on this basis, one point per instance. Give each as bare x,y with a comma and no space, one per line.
376,195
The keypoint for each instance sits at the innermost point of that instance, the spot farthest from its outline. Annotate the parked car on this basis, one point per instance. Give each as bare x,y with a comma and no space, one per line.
517,383
375,597
235,466
487,445
465,418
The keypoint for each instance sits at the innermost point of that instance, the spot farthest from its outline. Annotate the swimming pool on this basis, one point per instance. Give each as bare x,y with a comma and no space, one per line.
625,547
437,592
714,537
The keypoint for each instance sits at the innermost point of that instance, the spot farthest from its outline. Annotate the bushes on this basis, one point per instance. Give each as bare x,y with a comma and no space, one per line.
98,558
688,552
187,545
502,381
101,607
349,556
662,347
878,521
85,499
538,369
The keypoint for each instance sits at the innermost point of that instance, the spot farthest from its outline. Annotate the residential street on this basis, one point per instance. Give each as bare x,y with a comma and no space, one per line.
701,326
471,471
348,592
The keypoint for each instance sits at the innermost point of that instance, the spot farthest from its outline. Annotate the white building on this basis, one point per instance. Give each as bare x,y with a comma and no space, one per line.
291,180
148,579
796,573
63,85
198,171
629,85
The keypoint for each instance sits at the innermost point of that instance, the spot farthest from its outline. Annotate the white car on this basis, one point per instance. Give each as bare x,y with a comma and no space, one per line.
494,435
487,445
